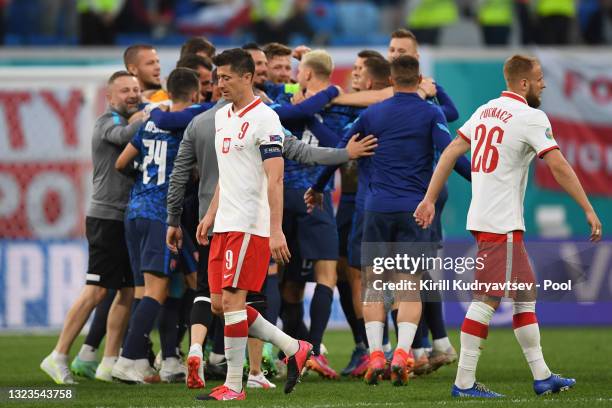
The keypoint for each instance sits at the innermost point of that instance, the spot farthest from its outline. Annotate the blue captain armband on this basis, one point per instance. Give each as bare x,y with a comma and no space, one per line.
270,150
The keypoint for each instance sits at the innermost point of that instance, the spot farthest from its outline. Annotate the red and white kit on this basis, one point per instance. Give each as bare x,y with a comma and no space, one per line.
505,135
240,251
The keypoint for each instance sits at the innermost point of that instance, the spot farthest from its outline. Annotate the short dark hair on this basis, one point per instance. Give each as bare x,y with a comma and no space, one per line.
365,54
198,44
131,53
182,82
379,69
119,74
405,70
518,67
239,60
403,33
251,46
194,61
275,49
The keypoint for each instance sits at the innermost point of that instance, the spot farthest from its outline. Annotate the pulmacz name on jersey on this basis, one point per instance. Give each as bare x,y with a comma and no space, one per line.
152,128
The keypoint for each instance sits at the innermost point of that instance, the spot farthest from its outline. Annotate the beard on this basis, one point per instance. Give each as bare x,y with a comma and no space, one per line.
151,85
533,100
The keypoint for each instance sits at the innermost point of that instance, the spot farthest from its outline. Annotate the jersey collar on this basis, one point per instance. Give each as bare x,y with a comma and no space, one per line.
246,109
513,95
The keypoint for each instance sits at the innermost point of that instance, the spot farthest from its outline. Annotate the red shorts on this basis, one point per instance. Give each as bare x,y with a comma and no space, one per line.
238,260
505,261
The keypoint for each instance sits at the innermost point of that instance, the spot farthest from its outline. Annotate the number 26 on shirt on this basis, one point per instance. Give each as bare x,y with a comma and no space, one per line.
486,155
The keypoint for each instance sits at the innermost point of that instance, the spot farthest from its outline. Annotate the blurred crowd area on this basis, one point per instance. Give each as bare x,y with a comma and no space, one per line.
319,22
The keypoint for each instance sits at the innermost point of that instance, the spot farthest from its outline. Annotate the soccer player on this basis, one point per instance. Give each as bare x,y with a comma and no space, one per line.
247,214
142,61
204,67
409,130
504,135
109,265
279,63
145,232
199,46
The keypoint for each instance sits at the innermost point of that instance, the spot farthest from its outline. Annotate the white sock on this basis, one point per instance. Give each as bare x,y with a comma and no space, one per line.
108,361
387,347
235,347
473,332
527,333
214,358
59,357
405,335
418,352
374,331
442,344
196,350
266,331
87,353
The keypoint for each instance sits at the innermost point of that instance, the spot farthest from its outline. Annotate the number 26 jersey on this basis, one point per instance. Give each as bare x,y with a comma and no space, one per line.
505,135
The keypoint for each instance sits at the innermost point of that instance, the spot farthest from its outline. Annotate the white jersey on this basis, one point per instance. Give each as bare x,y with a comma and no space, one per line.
239,138
505,135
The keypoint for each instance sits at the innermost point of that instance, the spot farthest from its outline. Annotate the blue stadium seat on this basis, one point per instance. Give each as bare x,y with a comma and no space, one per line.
358,20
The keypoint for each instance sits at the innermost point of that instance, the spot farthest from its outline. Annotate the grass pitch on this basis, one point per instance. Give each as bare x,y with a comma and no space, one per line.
582,353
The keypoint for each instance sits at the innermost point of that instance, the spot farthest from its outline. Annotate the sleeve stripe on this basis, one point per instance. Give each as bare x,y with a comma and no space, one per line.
467,139
543,152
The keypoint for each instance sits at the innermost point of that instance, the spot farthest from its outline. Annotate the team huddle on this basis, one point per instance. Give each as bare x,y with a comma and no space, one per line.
212,209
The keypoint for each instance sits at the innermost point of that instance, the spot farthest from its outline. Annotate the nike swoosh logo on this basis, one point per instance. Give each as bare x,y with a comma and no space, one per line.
227,276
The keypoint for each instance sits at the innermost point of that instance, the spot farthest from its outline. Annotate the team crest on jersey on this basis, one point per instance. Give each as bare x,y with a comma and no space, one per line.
226,144
549,133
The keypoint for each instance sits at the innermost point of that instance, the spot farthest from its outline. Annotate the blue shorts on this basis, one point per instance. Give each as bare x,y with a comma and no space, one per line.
344,219
146,242
354,240
383,230
314,235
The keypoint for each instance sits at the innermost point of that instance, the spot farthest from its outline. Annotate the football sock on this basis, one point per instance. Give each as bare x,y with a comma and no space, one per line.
394,320
474,330
196,350
405,335
168,327
291,316
374,331
527,332
185,315
320,310
97,329
346,301
201,313
362,330
273,298
87,353
418,352
385,339
434,318
218,344
266,331
418,336
235,332
141,325
442,344
135,303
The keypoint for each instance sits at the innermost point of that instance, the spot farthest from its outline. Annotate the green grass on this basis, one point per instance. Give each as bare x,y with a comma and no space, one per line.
581,353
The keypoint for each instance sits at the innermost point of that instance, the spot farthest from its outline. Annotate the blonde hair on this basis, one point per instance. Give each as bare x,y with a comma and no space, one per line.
320,62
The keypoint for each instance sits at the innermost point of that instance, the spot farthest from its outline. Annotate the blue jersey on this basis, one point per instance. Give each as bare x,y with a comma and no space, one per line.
335,118
409,131
157,149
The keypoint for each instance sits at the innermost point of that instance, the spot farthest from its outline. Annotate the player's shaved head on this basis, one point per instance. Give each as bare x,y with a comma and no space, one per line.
183,84
130,55
378,70
405,71
519,67
320,62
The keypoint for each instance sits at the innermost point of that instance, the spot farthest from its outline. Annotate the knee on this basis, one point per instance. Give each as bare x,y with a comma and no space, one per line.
216,307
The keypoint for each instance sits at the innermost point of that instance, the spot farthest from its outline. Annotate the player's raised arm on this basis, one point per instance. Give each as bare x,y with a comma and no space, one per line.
425,211
274,168
566,177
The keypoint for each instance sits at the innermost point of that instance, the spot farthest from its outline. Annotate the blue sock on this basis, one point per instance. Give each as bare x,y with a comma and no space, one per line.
168,327
418,336
97,330
135,304
364,336
394,319
346,301
219,340
273,297
386,330
184,322
320,309
434,317
142,323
